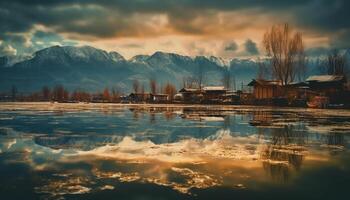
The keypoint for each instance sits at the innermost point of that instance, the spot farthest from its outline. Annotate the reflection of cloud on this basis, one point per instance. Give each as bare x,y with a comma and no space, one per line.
71,185
325,129
190,150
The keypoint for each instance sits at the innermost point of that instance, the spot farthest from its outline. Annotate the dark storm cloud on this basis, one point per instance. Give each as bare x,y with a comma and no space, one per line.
124,18
20,15
232,46
251,47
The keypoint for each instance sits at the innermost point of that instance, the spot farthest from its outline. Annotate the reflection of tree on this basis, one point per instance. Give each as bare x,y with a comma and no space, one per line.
284,152
334,139
135,114
152,117
227,122
261,118
169,115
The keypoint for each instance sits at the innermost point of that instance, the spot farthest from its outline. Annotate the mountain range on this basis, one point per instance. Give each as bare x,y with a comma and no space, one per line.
93,69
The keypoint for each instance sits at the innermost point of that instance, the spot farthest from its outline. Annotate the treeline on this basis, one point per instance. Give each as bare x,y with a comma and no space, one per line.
61,94
154,88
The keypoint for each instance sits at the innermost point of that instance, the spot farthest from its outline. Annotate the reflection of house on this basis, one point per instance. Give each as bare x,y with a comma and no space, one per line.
214,94
266,89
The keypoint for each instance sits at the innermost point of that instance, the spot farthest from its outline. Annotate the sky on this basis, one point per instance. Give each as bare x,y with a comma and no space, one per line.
223,28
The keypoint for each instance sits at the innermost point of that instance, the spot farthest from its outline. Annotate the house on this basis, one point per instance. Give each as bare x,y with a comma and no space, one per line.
139,97
159,98
189,95
266,89
327,84
331,86
231,97
214,94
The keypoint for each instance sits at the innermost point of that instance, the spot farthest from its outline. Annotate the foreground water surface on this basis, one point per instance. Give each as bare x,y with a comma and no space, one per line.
106,151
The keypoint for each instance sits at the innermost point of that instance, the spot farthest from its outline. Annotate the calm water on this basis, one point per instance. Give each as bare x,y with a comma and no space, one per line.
100,151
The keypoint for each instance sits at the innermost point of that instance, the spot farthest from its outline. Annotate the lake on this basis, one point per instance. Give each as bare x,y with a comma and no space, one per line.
113,151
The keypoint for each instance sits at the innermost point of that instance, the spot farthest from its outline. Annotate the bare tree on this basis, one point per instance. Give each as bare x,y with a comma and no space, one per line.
170,90
336,63
263,71
46,93
190,82
143,89
115,94
286,51
199,76
106,95
136,86
153,86
14,92
226,78
58,93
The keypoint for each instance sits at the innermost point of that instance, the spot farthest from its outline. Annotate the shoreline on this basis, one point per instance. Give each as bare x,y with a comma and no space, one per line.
47,106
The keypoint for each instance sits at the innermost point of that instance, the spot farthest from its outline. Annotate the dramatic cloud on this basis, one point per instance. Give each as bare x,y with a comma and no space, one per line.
231,46
251,47
324,23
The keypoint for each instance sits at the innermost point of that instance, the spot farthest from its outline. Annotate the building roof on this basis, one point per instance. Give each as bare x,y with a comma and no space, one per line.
214,88
264,82
159,95
325,78
189,90
139,94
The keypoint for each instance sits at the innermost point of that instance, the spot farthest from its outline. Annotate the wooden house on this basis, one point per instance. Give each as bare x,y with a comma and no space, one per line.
327,84
266,89
214,94
334,87
190,95
139,97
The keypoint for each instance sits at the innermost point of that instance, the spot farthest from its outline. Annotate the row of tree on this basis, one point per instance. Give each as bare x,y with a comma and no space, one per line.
168,88
61,94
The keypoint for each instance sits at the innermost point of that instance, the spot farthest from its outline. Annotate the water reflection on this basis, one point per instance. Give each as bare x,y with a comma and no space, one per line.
189,150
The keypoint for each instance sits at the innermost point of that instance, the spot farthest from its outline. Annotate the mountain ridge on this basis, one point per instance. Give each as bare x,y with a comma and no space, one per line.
94,69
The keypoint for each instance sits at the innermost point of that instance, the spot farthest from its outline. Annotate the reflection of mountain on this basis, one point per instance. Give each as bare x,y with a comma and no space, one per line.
108,150
80,142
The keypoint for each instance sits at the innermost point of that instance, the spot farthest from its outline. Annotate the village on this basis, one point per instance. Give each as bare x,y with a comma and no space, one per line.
319,91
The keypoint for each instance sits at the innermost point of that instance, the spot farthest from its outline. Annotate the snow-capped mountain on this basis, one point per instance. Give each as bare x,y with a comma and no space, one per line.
94,69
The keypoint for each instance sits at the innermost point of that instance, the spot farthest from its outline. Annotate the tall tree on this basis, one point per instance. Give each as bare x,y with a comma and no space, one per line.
153,86
14,92
170,90
226,78
106,95
200,76
336,63
58,93
46,93
136,86
262,70
286,52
